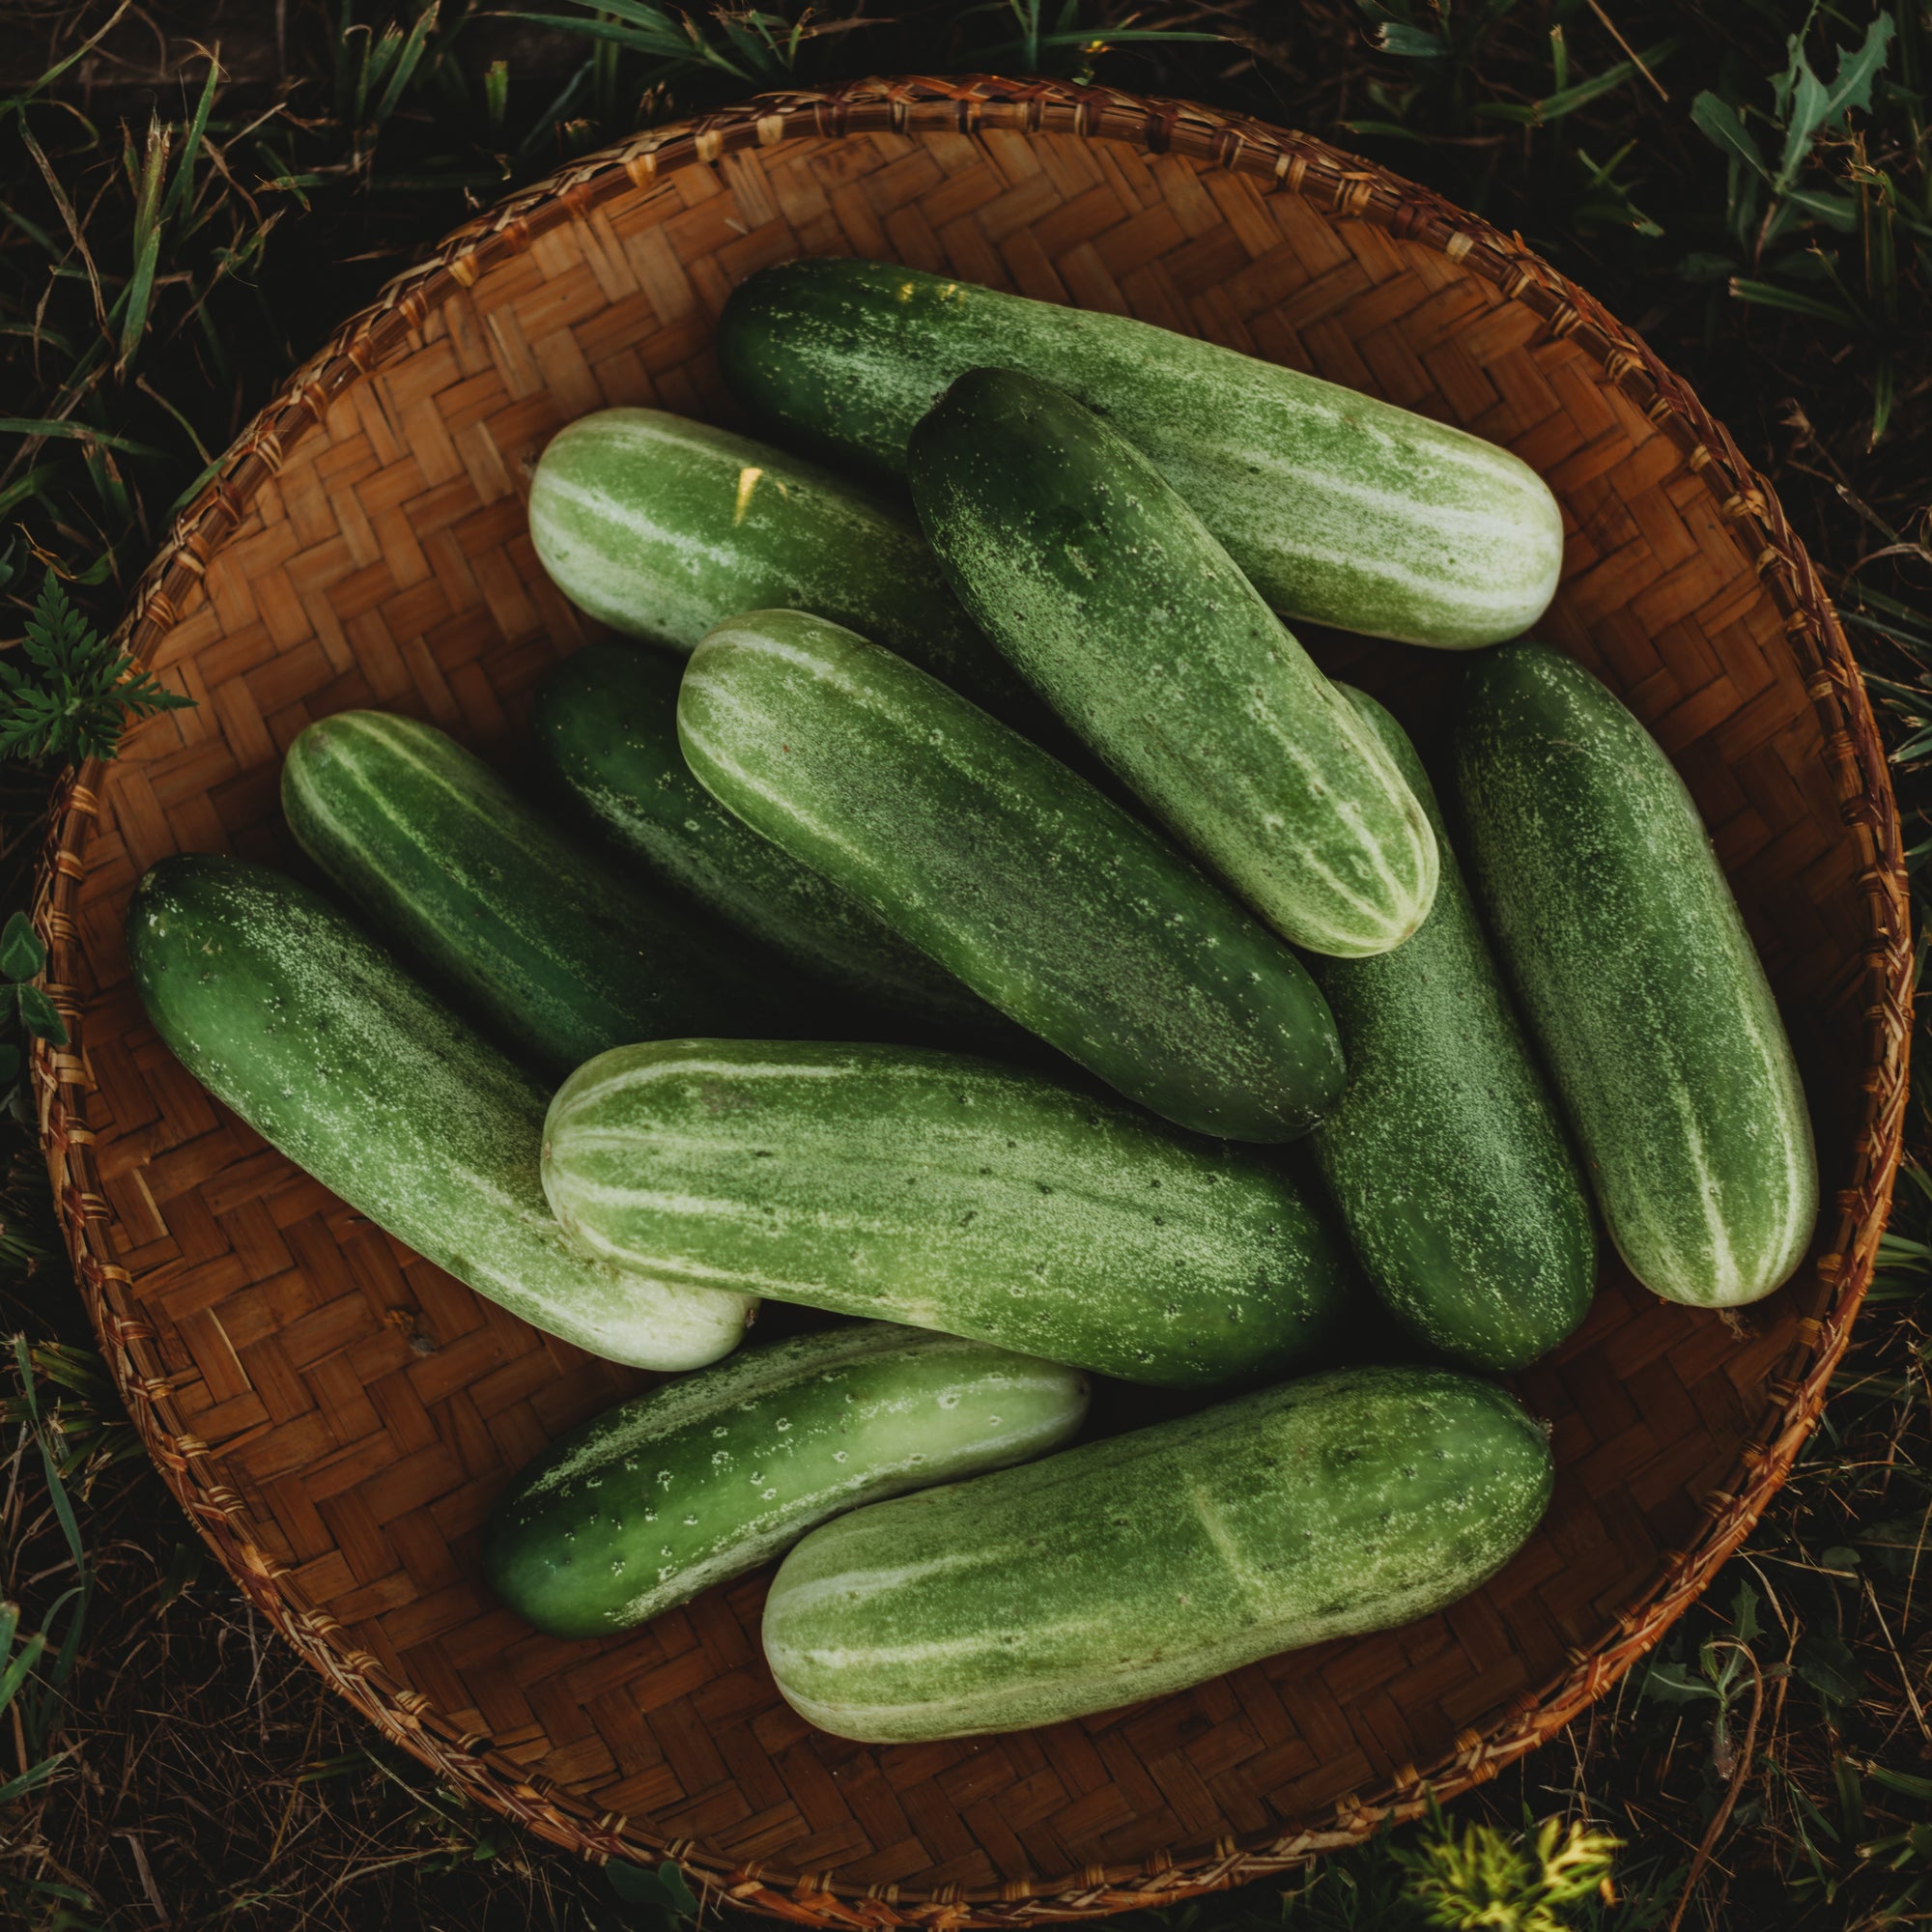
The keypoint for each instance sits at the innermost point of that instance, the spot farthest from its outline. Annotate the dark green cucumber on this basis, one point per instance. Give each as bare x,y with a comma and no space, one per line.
1132,1567
1632,966
1447,1155
702,1479
663,527
552,953
604,725
1107,593
945,1192
1041,894
290,1016
1340,508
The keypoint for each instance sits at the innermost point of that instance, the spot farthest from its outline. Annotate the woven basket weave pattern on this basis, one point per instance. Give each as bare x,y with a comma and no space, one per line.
336,1414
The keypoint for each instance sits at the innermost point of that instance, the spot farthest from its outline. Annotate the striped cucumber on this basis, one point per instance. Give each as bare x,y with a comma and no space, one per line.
1045,897
605,726
288,1015
662,528
1632,966
1340,508
1447,1156
1133,1567
1108,594
553,955
699,1480
945,1192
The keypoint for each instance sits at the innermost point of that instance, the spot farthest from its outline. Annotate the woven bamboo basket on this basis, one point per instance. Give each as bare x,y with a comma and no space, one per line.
337,1415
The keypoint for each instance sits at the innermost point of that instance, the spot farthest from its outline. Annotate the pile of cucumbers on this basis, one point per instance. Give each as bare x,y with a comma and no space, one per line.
942,907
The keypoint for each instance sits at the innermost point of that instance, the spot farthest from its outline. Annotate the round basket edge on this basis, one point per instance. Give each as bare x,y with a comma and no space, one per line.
1350,189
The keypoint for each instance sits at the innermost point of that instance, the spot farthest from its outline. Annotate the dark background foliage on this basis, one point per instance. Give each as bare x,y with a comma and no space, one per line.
192,195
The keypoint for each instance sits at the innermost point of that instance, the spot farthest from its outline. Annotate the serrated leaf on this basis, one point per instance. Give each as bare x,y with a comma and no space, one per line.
1814,107
21,953
1674,1684
1744,1614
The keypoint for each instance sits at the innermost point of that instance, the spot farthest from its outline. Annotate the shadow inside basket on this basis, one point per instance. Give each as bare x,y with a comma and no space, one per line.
362,1409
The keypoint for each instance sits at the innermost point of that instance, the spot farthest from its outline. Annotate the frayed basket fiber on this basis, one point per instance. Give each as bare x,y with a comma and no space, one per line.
336,1414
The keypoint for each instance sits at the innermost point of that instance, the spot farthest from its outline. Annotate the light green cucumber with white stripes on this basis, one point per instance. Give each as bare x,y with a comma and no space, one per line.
605,729
1340,509
1129,1568
1632,963
1055,905
1447,1155
552,953
948,1192
1108,594
663,526
292,1017
702,1478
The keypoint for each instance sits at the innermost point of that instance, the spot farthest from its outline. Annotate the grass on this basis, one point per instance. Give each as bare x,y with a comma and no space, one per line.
191,195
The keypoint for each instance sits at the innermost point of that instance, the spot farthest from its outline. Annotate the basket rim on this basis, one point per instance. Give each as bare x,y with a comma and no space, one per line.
1347,188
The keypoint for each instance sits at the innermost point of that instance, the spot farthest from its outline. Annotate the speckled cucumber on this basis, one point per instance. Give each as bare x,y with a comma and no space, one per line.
1447,1155
290,1016
1108,594
1632,966
662,526
1129,1568
945,1192
551,954
1045,897
1340,509
604,729
702,1479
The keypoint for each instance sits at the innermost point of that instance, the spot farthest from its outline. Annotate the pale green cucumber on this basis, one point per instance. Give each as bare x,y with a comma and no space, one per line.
1044,896
553,955
1447,1155
1136,1566
1108,594
945,1192
662,528
290,1016
1340,508
1632,963
702,1479
605,728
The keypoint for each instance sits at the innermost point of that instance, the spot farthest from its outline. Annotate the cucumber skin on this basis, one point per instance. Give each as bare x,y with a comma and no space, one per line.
1062,541
1340,509
646,521
945,1192
1447,1155
1136,1566
1631,964
605,728
553,955
598,1533
319,1042
1046,898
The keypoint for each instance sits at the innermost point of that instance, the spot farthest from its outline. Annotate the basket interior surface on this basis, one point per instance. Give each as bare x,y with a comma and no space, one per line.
352,1412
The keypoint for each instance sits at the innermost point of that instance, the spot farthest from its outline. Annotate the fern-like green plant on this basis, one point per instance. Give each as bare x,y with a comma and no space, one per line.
1485,1880
65,691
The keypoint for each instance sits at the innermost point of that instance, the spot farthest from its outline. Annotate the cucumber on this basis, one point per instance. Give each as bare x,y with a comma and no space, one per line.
1045,897
1447,1155
1342,509
1110,596
323,1045
699,1480
605,728
1631,962
662,528
1129,1568
551,954
945,1192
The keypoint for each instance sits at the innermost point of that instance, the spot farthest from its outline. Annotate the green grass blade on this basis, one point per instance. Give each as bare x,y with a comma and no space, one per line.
181,188
405,62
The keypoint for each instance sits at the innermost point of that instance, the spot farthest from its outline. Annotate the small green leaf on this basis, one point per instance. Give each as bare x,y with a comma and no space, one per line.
1744,1614
40,1016
1825,1662
1673,1684
21,953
